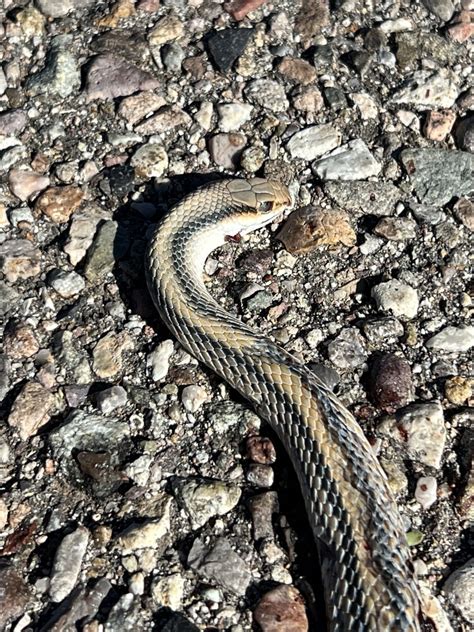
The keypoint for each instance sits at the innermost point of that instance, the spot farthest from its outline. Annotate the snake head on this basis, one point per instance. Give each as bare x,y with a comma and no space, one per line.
257,202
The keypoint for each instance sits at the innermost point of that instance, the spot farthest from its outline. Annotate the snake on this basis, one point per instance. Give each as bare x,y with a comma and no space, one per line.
369,584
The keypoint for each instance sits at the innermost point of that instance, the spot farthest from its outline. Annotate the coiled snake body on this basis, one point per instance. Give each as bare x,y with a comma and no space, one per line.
349,505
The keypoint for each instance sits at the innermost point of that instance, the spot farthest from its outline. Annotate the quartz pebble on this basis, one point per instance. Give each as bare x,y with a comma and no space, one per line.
348,162
233,115
425,492
348,350
396,297
67,563
59,203
439,124
159,359
312,142
110,399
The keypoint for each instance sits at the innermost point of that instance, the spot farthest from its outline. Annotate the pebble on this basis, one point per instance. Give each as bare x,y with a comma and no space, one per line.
314,141
31,409
100,258
81,232
24,184
66,284
396,228
420,427
452,339
366,198
136,107
252,159
464,211
465,134
425,89
313,16
260,475
61,74
12,122
226,149
147,534
220,563
458,389
167,29
437,175
166,119
239,9
268,94
30,21
348,350
281,609
308,99
459,590
396,297
296,71
335,98
67,563
159,360
391,384
108,354
227,45
59,203
442,9
193,397
150,160
172,55
19,259
348,162
204,499
439,124
168,592
461,32
204,115
110,76
310,227
55,9
14,596
111,398
260,450
233,115
426,491
19,341
368,108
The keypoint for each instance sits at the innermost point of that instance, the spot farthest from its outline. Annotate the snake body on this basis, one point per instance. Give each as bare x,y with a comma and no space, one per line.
348,502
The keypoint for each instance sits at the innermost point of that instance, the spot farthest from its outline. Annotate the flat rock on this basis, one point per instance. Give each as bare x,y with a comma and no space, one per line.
296,70
61,75
110,76
396,297
227,45
19,259
371,198
453,339
348,162
150,160
101,253
438,175
166,119
67,563
203,499
167,29
348,350
25,183
12,122
82,230
268,94
59,203
220,563
31,409
108,352
233,115
314,141
425,89
136,107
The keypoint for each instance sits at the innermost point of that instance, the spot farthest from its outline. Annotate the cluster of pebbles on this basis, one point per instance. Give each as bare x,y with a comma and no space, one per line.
138,491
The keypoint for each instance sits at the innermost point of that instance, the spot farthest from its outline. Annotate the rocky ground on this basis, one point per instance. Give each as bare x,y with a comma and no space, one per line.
139,491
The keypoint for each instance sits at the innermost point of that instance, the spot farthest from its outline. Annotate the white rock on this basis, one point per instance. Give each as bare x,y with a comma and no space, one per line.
314,141
193,396
459,588
396,297
233,115
67,563
425,89
349,162
67,284
150,160
425,492
159,360
367,106
454,339
168,592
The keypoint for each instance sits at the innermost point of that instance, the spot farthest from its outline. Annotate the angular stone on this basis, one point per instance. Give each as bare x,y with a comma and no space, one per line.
110,76
14,595
459,589
101,254
396,228
147,534
167,29
19,259
25,183
19,341
61,74
67,563
348,350
221,564
268,94
12,122
133,109
59,203
233,115
312,18
348,162
165,119
396,297
314,141
204,499
439,124
371,198
31,409
297,70
227,45
239,9
442,9
81,232
453,339
108,353
425,89
226,149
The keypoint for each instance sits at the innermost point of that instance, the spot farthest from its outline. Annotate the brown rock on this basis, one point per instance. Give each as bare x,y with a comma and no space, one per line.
262,507
25,183
260,450
391,385
167,118
14,595
31,409
239,9
19,259
226,149
439,124
396,228
280,610
108,352
121,10
196,66
297,70
110,76
308,99
167,29
464,211
133,109
312,18
19,341
461,32
59,203
150,6
310,227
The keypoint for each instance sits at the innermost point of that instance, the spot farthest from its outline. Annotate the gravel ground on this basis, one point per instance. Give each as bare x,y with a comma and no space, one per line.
138,491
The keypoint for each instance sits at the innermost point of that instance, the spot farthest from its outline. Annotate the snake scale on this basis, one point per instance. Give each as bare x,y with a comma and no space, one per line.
349,505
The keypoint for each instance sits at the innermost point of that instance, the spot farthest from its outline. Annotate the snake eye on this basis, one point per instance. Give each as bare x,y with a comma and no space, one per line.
265,207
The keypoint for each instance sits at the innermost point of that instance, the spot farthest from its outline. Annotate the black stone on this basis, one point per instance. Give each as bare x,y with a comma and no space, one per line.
227,45
169,621
323,55
358,60
121,179
335,98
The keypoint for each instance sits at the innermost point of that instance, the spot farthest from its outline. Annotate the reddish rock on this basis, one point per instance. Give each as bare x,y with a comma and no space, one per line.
24,183
110,76
312,18
391,385
59,203
297,70
238,9
438,124
260,450
19,341
280,610
461,32
31,409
